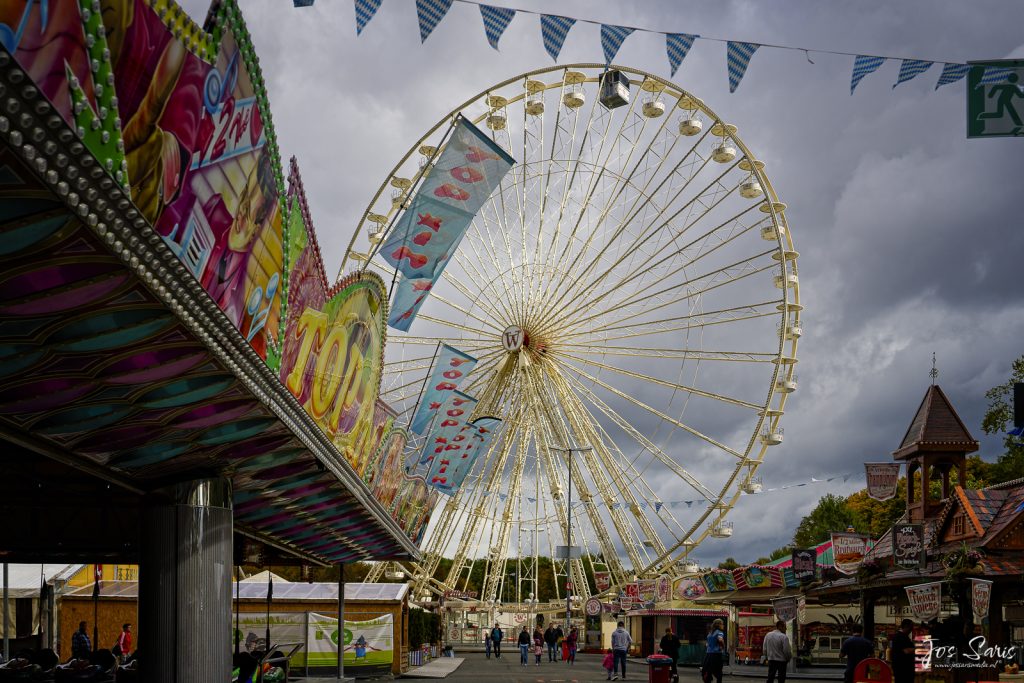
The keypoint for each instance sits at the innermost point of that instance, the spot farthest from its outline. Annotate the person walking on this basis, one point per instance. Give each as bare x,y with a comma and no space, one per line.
670,646
123,647
621,640
538,644
487,643
902,646
609,663
81,646
524,647
571,642
712,666
559,637
551,639
777,652
496,636
856,649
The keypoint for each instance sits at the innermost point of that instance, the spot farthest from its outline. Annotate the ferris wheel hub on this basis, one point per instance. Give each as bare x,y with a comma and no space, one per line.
515,338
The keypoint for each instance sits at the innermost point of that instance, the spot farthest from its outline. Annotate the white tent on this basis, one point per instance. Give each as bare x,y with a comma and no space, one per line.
24,581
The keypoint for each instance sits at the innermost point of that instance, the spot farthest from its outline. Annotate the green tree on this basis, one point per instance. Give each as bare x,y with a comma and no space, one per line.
830,514
999,419
875,517
728,563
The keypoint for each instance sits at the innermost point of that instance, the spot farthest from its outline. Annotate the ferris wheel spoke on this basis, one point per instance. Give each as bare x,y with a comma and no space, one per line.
644,442
680,354
668,418
651,229
727,275
655,380
698,320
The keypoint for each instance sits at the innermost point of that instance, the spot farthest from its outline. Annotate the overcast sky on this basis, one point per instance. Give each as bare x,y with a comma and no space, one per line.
909,234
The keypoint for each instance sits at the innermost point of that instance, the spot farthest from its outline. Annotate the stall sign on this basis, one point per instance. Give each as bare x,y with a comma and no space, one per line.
925,600
882,479
908,545
848,551
805,565
981,594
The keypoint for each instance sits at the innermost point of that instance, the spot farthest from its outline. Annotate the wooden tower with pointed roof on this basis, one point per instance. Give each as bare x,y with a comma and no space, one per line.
936,443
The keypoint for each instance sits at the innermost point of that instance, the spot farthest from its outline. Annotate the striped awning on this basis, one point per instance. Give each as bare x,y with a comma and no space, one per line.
677,612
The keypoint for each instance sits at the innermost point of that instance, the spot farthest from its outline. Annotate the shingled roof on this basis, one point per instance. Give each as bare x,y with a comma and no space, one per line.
936,427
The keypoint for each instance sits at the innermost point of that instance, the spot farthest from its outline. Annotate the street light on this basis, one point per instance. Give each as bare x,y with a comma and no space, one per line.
568,532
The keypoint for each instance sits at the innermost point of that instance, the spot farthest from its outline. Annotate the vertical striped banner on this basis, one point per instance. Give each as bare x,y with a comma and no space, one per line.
910,68
430,14
951,73
365,9
611,40
737,59
678,45
553,30
496,20
862,66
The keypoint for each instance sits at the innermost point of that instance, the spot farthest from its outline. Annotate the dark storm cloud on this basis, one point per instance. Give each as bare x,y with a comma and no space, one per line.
909,234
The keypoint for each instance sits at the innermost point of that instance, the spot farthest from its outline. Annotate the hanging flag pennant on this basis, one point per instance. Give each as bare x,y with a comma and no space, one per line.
553,30
862,66
951,73
737,58
678,46
657,506
911,68
430,13
611,40
365,9
994,74
302,3
496,20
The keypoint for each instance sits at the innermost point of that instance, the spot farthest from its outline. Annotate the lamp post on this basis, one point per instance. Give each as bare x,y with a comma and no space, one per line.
568,533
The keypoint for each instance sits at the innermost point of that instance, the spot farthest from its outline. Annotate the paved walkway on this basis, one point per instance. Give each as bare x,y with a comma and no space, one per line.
442,667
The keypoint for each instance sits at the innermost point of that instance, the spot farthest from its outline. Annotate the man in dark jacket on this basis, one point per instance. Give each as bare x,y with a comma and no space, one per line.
670,646
551,640
903,653
496,636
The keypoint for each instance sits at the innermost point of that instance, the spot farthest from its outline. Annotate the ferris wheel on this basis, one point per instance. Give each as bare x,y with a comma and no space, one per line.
630,292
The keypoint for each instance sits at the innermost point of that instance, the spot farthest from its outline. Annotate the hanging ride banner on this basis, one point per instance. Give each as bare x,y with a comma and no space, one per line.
429,232
478,439
445,443
450,367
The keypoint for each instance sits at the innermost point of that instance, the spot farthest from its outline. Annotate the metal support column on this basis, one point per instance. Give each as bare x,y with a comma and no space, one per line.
185,583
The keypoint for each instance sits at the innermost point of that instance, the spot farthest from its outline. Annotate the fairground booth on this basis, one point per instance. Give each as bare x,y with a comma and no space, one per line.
953,563
161,400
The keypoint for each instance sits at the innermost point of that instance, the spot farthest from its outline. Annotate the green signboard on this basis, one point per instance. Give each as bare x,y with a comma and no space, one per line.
995,99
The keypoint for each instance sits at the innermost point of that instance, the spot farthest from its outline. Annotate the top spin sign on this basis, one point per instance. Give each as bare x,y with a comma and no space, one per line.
426,236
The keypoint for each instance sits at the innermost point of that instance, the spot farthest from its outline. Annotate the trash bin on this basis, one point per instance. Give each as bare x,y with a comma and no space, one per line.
659,669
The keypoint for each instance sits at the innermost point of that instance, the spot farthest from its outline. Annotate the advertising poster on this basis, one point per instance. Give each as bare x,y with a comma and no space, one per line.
882,478
603,581
754,576
687,588
285,627
718,581
663,589
805,564
801,609
848,551
369,643
908,545
981,595
925,600
647,589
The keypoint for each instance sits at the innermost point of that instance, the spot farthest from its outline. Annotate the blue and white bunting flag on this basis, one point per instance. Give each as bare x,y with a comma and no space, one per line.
430,14
862,66
365,9
611,40
678,46
553,30
911,68
496,20
737,58
951,73
657,506
994,74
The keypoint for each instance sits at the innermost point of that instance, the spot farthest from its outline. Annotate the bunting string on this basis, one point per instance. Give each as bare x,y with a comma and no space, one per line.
555,29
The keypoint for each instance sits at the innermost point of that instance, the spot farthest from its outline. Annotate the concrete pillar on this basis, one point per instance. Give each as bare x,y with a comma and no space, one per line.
184,632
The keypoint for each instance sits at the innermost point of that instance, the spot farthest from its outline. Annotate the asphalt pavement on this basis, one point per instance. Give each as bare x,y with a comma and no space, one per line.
478,669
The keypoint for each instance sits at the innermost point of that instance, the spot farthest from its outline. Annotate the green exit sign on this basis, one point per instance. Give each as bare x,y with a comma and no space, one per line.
995,99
